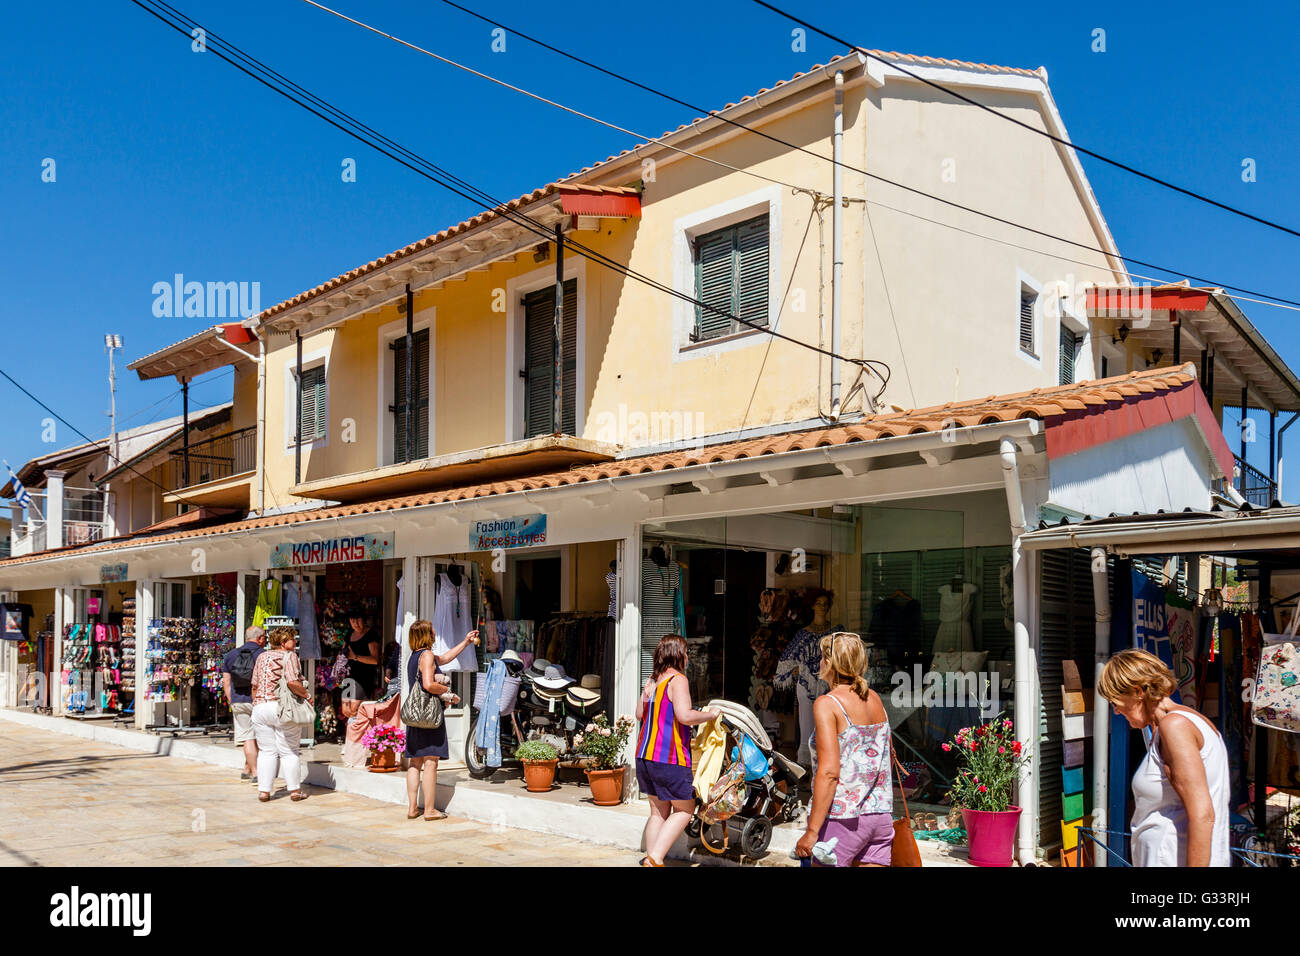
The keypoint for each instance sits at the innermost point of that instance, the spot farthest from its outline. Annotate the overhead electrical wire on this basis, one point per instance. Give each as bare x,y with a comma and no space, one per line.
1118,164
1251,295
348,124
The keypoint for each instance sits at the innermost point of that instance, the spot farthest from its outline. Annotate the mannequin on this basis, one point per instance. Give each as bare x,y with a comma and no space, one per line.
800,664
955,602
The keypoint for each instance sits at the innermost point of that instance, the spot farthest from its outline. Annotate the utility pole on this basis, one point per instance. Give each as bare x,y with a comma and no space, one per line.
112,342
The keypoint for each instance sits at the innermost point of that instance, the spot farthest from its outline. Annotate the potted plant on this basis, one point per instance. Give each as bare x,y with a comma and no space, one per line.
384,743
539,759
989,761
604,745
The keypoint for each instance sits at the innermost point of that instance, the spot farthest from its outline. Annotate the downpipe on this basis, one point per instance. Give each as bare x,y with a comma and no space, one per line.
1026,716
1100,707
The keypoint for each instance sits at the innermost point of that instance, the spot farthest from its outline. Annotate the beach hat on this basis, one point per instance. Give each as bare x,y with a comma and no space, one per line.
553,679
510,657
591,681
538,668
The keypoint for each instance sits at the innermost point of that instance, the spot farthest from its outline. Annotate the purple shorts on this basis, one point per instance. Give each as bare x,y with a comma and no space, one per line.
865,839
667,781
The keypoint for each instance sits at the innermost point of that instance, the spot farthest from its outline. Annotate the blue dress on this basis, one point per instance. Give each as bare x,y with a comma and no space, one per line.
424,741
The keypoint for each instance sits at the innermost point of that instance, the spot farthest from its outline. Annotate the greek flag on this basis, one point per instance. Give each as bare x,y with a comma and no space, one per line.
20,492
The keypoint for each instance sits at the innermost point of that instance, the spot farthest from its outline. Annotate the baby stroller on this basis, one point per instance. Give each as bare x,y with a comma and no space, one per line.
768,794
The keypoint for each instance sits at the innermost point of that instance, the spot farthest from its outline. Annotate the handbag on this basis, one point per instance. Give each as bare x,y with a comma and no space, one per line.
1276,703
291,708
420,708
726,796
904,851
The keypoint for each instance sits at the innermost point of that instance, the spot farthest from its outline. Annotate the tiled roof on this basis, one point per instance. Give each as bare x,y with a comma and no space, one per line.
1039,403
569,181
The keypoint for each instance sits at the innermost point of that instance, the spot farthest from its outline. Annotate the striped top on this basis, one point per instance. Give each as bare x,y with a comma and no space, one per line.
662,738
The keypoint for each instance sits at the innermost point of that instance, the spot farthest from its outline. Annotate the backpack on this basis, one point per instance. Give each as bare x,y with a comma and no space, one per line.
241,667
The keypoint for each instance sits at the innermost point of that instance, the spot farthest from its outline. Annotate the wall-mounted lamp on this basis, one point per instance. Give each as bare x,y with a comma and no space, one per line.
1156,356
1123,334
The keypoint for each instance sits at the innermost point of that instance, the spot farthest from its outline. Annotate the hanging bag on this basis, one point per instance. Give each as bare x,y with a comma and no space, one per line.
291,708
1276,703
420,708
905,851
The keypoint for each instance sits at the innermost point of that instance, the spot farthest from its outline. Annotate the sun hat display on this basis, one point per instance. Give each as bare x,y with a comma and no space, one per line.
582,694
538,667
510,657
553,679
591,681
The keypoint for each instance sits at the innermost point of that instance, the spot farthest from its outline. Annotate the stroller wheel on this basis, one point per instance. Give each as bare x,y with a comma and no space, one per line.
755,837
693,828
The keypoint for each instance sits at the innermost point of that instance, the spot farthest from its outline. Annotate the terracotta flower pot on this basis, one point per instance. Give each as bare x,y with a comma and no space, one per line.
539,775
991,835
606,786
383,761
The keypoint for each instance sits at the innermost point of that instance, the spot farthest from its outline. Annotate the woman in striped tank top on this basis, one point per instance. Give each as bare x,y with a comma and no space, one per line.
663,748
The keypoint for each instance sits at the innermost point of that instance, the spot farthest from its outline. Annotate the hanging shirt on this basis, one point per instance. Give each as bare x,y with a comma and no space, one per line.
301,606
268,601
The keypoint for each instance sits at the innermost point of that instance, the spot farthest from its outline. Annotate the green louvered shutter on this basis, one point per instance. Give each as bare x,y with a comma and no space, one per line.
420,369
751,272
539,360
714,274
1069,348
313,403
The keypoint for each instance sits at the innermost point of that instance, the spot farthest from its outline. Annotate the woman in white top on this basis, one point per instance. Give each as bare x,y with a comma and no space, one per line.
1180,791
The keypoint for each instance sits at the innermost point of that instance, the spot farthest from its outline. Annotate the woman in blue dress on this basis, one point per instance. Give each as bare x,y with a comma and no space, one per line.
425,746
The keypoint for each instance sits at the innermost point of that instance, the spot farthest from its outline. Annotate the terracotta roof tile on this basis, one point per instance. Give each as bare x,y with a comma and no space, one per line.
1039,403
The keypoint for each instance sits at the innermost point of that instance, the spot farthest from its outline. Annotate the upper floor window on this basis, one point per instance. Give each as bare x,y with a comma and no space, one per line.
731,275
315,415
1070,341
539,362
412,444
1028,299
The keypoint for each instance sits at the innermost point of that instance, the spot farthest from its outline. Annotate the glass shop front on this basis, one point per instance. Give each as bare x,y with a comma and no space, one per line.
925,582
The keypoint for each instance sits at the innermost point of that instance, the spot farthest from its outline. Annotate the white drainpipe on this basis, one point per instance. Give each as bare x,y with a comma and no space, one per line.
1100,707
261,423
1026,710
837,240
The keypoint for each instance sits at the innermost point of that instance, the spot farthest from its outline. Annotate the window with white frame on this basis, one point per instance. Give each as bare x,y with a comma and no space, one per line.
315,401
395,443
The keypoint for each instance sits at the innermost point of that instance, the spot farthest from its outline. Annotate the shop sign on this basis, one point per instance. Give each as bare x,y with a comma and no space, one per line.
359,547
112,573
522,531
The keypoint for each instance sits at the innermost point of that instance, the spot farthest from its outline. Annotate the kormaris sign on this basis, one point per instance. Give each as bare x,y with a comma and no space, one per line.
360,547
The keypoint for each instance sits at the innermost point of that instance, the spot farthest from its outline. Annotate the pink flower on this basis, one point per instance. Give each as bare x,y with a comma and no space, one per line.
604,731
983,789
1006,723
1015,747
1002,750
577,740
947,747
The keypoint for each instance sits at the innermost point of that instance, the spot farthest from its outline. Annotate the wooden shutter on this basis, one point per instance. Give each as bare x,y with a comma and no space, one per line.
313,403
1027,299
731,272
420,395
751,271
713,284
1069,348
539,361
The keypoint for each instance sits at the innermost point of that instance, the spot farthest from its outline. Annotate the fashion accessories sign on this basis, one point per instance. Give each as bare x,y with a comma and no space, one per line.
522,531
360,547
112,573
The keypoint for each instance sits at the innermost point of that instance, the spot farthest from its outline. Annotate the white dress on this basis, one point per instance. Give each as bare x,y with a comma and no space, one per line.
954,633
1159,817
451,617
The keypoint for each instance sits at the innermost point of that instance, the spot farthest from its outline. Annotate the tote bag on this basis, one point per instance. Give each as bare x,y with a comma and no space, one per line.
1277,686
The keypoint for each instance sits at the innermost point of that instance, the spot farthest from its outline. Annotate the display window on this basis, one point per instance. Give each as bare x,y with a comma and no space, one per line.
926,584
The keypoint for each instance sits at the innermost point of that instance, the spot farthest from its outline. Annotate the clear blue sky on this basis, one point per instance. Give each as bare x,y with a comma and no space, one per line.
170,161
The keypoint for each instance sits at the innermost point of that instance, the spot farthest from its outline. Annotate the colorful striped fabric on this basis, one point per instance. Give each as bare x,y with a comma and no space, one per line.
661,737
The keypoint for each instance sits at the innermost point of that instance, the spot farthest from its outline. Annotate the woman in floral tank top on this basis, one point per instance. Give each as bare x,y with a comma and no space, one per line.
853,792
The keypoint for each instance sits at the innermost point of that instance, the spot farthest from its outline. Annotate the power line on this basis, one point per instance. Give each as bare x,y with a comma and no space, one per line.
442,177
1202,280
1033,129
93,441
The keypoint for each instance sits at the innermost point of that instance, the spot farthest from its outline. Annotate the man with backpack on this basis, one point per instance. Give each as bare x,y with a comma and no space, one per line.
237,680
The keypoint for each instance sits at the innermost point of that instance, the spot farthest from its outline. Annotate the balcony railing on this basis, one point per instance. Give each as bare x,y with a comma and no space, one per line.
214,458
83,520
1252,484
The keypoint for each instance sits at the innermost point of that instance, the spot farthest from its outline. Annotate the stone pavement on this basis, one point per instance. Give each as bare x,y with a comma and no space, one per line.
65,801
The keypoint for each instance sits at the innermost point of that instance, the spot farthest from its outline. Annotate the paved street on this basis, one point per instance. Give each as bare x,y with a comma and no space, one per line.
71,802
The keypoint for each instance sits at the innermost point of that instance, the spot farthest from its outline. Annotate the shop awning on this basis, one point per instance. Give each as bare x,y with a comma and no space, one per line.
613,202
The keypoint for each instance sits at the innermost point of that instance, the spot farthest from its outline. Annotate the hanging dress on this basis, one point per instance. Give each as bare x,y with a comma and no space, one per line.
451,622
954,632
268,601
301,606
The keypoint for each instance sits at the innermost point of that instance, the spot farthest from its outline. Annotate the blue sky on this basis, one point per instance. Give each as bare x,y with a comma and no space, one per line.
168,161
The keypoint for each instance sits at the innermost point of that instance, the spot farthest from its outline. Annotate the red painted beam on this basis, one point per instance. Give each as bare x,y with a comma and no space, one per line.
608,205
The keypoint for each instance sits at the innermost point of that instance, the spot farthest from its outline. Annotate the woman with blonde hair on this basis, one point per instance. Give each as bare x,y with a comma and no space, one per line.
852,815
425,746
277,741
1180,790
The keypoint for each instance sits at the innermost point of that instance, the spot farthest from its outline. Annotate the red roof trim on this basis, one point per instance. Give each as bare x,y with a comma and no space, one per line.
609,205
1138,300
1081,429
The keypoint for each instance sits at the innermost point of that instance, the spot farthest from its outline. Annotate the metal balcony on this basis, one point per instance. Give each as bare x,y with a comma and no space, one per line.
213,459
